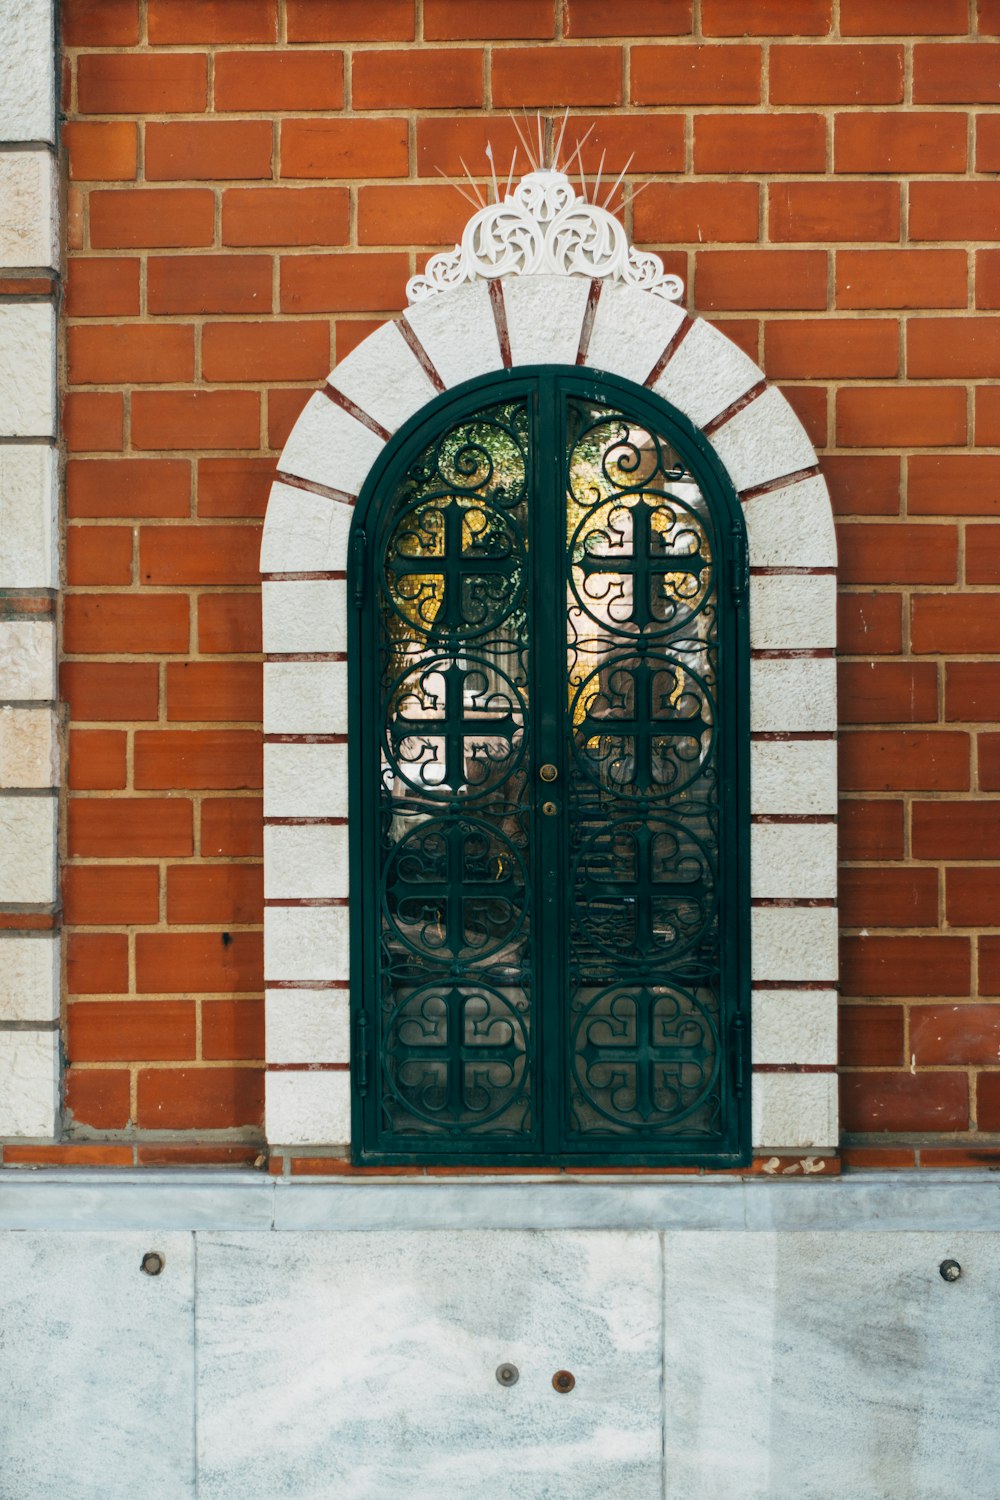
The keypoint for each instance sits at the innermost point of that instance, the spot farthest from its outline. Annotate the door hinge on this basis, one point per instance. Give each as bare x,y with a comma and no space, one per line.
741,566
738,1045
359,549
361,1054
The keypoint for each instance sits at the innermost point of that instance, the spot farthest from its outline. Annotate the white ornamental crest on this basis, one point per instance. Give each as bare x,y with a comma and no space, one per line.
544,228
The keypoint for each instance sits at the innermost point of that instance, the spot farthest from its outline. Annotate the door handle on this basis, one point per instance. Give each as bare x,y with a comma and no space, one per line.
548,772
549,809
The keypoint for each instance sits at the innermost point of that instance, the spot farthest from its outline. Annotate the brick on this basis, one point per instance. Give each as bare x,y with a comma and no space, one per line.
104,288
860,1158
903,17
956,73
942,622
759,143
982,554
654,142
836,75
988,416
888,898
206,150
142,84
410,215
830,211
132,218
110,690
292,81
898,553
870,1036
863,484
199,554
809,348
621,18
127,487
215,893
97,760
810,404
901,278
214,691
343,282
966,348
350,21
987,143
285,216
212,21
874,141
95,624
504,20
766,17
697,212
232,826
987,16
989,965
988,1101
954,211
93,421
966,1034
427,78
277,350
133,354
972,691
68,1156
548,76
232,1029
97,963
95,895
889,1102
869,624
905,966
915,760
348,334
234,486
101,152
98,1097
988,278
972,895
344,148
209,283
284,407
870,417
229,623
201,759
884,692
871,830
98,554
956,830
216,1098
248,1155
199,962
99,23
743,332
989,762
142,828
195,419
127,1031
782,280
696,75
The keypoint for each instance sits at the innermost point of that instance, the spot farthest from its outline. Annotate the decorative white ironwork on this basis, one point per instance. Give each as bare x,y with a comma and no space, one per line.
542,228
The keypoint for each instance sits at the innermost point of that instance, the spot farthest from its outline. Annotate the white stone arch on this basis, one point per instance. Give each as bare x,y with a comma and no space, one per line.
607,309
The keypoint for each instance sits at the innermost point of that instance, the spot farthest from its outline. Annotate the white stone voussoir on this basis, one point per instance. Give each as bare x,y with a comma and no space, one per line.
307,1026
29,1068
27,849
795,777
28,209
631,331
545,318
305,781
793,859
305,697
794,1111
305,861
27,660
29,976
795,1026
795,694
29,748
458,333
795,943
306,943
308,1108
27,369
304,532
29,556
792,527
706,373
27,71
384,378
305,615
330,447
793,611
763,441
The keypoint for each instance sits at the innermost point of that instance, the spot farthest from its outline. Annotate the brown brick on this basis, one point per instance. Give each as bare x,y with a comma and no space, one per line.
215,893
285,216
697,212
972,895
810,348
195,419
206,150
255,81
350,21
132,218
284,407
134,354
98,554
904,966
216,692
884,692
774,279
277,350
95,624
890,1102
232,1029
988,278
419,79
218,1098
93,421
810,405
988,1101
549,76
987,143
103,288
953,484
212,21
955,211
989,965
956,72
988,416
209,283
863,484
870,417
234,486
876,141
343,282
199,962
831,211
954,347
98,1097
987,16
888,898
127,1031
229,623
97,760
696,75
903,17
871,830
222,759
410,214
620,18
915,760
127,487
956,830
836,75
96,895
99,23
110,690
898,553
502,20
966,1034
199,554
972,691
140,84
759,143
942,622
143,828
982,554
344,148
869,624
989,762
766,17
97,963
101,152
871,1036
901,278
232,826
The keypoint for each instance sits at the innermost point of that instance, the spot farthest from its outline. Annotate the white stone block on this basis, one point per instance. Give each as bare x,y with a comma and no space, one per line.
306,943
459,332
29,555
28,209
792,527
793,776
308,614
307,1026
304,532
764,441
29,747
793,612
308,1109
384,378
794,942
793,1111
27,71
545,318
305,781
793,859
329,446
793,694
631,330
29,1083
27,849
27,369
707,373
795,1026
305,697
29,977
27,660
305,861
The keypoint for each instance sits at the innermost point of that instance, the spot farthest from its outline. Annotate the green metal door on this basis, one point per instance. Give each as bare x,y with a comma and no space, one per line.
549,768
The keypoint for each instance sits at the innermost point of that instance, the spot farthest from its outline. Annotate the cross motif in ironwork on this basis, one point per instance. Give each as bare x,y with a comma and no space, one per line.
455,1052
644,566
454,886
645,726
646,1055
454,565
643,889
453,725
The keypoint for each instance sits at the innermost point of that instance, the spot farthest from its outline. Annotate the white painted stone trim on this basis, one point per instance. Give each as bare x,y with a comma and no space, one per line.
452,336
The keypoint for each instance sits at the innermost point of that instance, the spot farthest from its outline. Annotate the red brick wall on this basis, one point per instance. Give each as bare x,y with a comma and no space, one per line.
250,184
